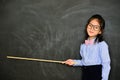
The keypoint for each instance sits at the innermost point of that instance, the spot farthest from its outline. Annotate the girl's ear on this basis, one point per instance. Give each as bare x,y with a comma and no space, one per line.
99,32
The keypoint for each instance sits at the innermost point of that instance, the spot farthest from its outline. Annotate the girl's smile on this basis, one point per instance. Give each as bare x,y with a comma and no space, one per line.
91,32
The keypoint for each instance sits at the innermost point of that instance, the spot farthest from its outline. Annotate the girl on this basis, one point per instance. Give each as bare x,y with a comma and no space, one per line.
94,51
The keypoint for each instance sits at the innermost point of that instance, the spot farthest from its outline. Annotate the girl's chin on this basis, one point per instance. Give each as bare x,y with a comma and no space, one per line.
91,35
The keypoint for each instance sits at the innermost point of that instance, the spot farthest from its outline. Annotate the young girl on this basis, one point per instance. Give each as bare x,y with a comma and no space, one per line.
94,51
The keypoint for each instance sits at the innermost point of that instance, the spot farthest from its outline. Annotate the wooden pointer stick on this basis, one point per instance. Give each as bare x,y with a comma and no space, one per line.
33,59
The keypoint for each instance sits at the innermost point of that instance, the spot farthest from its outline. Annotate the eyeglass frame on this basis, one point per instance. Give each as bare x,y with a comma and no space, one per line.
90,26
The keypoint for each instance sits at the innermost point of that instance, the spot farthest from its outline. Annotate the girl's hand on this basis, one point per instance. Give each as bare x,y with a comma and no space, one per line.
69,62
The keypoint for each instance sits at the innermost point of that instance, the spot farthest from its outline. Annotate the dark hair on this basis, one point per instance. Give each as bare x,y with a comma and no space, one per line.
101,21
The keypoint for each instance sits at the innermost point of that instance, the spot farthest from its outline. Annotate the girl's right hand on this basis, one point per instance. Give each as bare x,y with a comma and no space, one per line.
69,62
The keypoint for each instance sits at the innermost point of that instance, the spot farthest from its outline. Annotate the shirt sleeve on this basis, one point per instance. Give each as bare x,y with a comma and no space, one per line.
105,59
77,63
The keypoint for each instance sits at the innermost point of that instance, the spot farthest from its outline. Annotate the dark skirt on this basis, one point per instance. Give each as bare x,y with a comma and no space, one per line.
92,72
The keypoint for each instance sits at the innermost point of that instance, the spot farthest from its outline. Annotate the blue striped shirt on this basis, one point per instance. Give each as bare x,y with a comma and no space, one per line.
95,54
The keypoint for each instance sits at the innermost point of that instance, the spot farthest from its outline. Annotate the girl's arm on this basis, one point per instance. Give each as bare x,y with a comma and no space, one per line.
72,62
105,59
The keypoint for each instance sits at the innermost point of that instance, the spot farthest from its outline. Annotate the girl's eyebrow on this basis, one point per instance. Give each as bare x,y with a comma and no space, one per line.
94,25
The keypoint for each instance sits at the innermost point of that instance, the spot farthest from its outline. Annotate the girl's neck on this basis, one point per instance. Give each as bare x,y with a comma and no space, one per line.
90,38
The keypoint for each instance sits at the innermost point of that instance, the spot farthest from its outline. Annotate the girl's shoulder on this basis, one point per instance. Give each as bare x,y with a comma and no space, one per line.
103,43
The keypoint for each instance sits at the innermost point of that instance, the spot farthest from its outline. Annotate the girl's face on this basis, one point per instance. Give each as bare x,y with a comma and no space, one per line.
93,28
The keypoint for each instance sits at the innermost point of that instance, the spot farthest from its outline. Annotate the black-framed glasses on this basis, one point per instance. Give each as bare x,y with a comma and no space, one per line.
95,27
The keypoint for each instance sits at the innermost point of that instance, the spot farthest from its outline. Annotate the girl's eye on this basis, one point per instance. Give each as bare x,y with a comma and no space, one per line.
96,28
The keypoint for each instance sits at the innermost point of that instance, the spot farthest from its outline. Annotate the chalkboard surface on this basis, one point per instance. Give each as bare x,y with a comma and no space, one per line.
52,29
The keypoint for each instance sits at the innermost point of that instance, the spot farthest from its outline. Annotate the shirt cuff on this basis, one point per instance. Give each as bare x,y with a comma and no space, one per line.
77,63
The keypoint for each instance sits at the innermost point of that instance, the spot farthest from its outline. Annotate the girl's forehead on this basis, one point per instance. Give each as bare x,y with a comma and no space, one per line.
94,22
